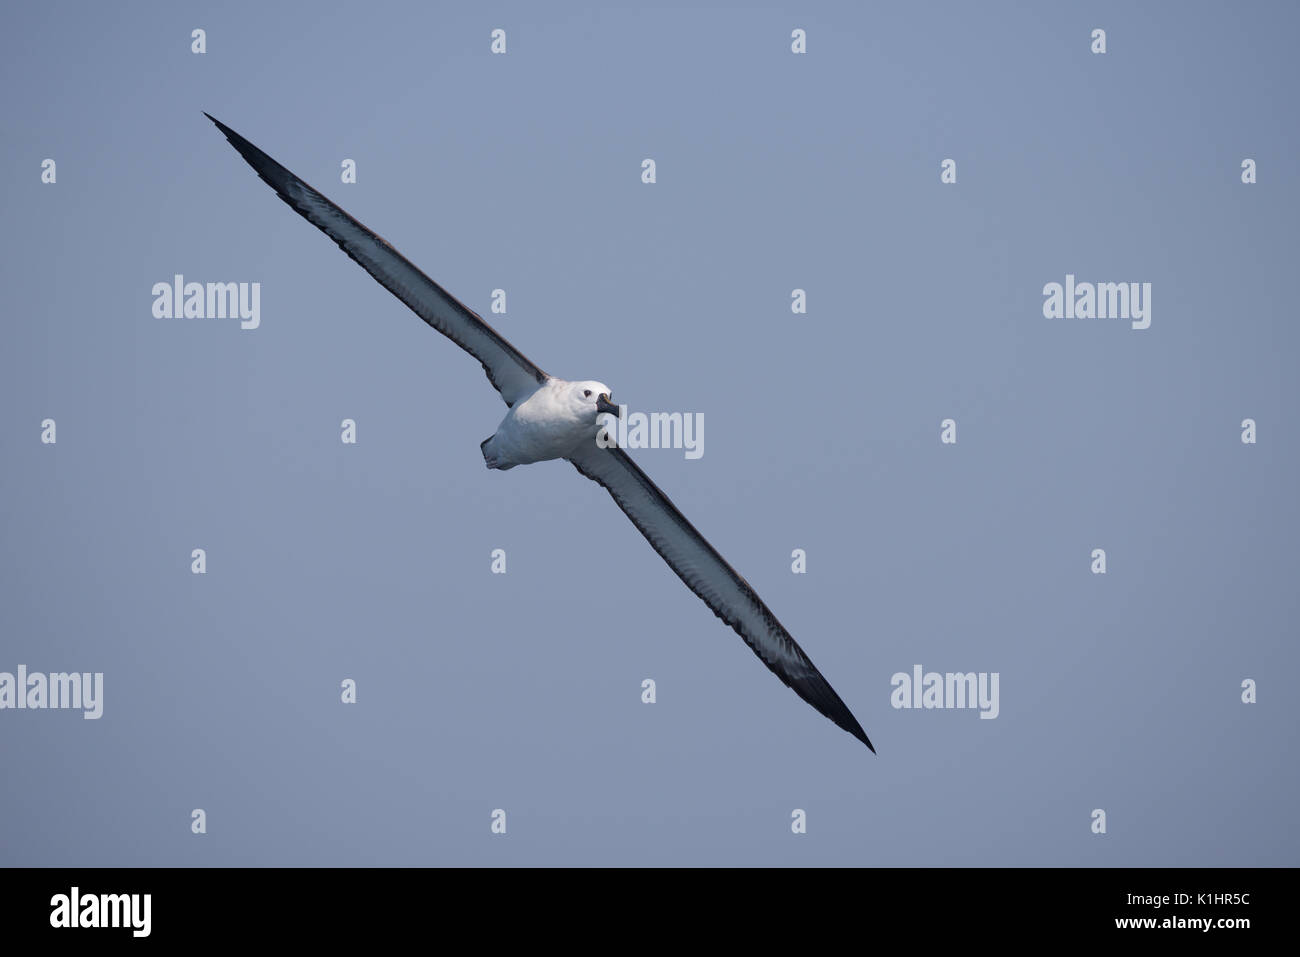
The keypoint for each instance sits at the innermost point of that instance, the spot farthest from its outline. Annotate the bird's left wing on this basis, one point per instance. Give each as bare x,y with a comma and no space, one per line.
514,376
705,572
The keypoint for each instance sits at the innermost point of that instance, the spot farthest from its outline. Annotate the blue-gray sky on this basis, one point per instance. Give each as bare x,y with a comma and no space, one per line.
775,171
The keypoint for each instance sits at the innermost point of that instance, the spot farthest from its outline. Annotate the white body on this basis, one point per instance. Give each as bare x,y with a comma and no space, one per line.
549,424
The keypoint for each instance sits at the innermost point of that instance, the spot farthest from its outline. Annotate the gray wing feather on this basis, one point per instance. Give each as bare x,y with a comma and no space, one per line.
513,375
705,572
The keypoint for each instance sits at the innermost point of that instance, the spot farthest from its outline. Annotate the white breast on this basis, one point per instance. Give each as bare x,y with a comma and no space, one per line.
543,426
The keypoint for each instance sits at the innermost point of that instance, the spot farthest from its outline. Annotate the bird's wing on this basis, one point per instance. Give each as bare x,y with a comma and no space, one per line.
707,573
514,376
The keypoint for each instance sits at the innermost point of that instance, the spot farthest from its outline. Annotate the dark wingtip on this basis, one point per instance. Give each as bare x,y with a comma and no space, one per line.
276,176
816,690
842,716
861,735
235,139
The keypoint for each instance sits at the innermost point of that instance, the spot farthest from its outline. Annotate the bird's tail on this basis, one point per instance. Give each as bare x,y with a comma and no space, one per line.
490,457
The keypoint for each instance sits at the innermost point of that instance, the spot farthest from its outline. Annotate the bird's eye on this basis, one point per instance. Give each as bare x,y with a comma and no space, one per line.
587,393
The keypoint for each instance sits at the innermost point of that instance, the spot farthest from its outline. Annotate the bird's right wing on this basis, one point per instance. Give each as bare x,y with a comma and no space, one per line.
513,375
705,572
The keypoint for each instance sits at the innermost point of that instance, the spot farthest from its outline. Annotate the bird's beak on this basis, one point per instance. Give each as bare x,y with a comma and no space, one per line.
604,405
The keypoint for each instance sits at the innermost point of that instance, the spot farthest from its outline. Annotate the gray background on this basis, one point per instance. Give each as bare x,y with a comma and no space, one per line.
522,691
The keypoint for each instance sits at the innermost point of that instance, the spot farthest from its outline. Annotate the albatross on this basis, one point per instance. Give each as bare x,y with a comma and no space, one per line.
551,418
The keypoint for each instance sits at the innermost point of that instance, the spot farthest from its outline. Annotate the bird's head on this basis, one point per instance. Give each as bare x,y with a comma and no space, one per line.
590,399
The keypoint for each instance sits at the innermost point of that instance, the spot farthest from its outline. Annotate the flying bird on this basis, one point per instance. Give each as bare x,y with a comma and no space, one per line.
550,418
